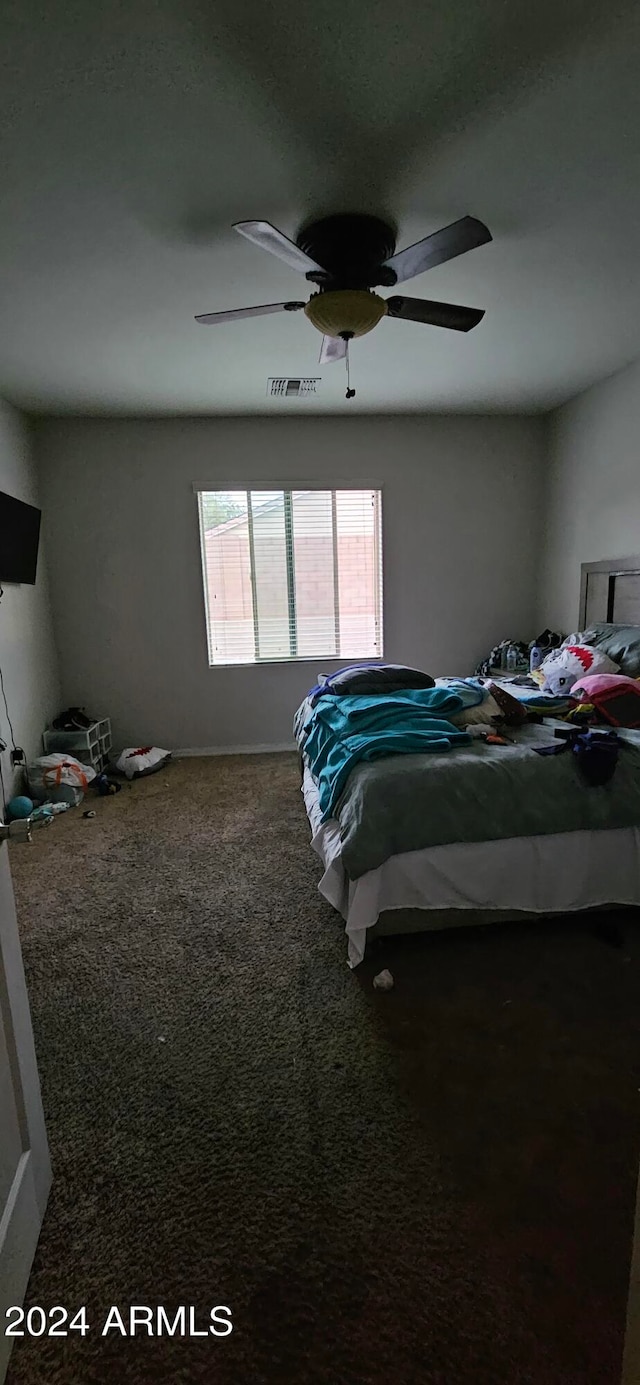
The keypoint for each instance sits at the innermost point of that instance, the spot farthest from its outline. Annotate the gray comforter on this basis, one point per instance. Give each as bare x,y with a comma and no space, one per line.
478,793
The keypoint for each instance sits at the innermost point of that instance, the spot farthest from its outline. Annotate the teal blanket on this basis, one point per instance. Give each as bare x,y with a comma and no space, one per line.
346,730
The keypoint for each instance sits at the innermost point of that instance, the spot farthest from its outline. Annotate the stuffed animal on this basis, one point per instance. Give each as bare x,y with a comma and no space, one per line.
568,665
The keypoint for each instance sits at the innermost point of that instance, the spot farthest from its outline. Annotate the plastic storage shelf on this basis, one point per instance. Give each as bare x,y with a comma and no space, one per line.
91,746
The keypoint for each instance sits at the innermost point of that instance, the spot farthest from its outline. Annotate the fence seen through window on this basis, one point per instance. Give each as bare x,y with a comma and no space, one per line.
291,574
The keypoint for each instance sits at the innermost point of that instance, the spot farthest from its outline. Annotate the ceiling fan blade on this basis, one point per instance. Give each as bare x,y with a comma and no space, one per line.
268,237
233,313
332,349
436,314
443,245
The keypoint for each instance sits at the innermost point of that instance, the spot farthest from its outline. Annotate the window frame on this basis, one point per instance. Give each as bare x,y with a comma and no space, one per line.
287,488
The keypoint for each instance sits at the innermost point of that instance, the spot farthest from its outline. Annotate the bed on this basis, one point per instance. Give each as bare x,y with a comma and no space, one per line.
583,854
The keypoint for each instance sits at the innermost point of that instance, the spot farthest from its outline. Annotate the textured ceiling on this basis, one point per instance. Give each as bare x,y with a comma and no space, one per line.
132,135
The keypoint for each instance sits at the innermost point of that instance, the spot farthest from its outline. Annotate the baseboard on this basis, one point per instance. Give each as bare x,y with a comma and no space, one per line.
233,750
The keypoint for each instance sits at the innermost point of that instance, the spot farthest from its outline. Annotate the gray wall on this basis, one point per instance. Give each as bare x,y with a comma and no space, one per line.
461,512
27,652
593,499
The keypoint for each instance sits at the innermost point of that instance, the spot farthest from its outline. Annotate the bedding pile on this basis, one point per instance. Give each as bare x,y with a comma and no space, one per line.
383,769
532,699
343,731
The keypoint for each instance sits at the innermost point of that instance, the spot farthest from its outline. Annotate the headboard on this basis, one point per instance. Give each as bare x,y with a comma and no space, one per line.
610,591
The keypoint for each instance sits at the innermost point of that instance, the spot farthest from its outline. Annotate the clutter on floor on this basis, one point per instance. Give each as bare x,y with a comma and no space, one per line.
20,807
58,780
74,719
384,981
105,785
146,760
77,733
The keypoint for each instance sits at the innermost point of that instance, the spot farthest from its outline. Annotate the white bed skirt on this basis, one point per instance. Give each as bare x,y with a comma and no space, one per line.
557,873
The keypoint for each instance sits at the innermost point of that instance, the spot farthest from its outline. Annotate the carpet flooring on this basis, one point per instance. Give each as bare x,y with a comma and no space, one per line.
433,1186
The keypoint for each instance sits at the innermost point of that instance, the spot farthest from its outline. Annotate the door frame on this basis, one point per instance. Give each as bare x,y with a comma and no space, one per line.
21,1217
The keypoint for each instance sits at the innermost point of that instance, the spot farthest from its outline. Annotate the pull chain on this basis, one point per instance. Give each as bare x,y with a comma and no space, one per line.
350,393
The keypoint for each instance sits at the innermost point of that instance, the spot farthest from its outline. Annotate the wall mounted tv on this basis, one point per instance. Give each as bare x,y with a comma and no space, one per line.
19,536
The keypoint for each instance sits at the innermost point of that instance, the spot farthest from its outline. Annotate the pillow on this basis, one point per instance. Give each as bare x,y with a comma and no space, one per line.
613,695
565,666
485,713
594,683
363,679
146,760
620,642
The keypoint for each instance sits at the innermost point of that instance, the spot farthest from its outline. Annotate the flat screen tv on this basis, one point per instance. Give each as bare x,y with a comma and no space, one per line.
19,536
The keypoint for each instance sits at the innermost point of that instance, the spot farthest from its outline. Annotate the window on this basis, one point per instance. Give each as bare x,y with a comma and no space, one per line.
291,574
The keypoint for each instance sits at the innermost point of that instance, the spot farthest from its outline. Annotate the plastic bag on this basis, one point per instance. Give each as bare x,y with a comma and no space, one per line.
59,778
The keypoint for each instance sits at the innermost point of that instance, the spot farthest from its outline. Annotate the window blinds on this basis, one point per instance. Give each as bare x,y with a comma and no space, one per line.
292,574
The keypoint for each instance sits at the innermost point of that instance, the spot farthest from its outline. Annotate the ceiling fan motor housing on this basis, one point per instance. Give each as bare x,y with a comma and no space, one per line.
351,248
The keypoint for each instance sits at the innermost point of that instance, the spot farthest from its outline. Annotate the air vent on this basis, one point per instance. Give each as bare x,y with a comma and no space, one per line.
288,387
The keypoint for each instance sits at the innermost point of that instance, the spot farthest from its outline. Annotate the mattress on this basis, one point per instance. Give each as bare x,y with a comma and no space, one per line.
560,872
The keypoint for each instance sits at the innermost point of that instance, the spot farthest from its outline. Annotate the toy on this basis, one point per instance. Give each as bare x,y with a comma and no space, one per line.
20,807
490,735
569,664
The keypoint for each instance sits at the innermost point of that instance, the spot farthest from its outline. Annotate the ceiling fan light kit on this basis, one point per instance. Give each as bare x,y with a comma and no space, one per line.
347,257
345,313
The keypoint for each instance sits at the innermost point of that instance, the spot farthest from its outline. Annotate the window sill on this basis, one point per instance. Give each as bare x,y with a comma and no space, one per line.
345,659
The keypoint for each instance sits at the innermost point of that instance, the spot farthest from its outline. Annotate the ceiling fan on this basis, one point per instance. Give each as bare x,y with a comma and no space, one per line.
347,256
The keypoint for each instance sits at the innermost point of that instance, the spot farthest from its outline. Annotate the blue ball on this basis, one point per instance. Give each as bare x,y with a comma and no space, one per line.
20,807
